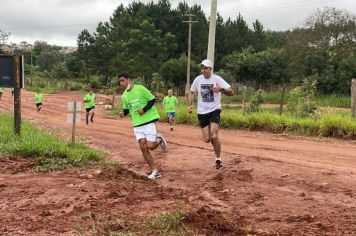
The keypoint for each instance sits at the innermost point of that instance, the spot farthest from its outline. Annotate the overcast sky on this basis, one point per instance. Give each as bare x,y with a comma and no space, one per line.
60,21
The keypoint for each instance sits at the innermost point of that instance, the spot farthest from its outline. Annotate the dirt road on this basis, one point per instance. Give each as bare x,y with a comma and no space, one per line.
270,184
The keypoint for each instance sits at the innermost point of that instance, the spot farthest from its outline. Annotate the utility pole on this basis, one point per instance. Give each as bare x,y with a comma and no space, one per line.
190,22
31,67
212,30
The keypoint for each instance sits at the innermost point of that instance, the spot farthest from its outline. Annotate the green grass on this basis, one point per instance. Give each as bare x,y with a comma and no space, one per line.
122,234
334,100
170,223
49,152
274,97
47,89
329,123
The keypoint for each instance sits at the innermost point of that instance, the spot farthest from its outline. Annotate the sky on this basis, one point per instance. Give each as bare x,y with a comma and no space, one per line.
60,21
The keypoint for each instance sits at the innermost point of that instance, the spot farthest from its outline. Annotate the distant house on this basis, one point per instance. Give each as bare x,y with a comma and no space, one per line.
26,47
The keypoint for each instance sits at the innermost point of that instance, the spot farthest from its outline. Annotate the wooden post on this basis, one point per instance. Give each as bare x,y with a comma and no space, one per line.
353,98
17,95
282,100
113,99
74,121
244,97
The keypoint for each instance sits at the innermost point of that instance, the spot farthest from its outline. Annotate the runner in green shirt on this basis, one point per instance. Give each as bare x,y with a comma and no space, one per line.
169,103
139,102
1,91
38,100
89,101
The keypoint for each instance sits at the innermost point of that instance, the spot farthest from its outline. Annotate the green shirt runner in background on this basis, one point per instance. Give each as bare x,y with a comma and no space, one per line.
137,98
89,100
169,103
38,100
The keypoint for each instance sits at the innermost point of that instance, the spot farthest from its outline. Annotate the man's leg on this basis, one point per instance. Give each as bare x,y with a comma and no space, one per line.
154,139
92,116
153,145
170,123
87,117
215,141
154,174
206,134
146,154
214,135
159,142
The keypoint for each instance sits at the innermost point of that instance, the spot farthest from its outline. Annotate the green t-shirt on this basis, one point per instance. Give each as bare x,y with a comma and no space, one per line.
89,100
1,89
137,98
169,103
38,98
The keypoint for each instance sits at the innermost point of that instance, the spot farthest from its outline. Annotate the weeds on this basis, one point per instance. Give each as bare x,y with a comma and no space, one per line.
170,223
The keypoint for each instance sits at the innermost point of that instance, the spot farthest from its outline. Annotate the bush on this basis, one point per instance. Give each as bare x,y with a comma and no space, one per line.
256,101
94,82
73,86
301,100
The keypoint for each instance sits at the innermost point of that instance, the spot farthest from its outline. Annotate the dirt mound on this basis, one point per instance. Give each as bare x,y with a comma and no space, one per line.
212,222
15,164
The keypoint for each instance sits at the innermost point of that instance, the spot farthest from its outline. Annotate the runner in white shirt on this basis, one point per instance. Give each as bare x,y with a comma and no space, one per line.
209,88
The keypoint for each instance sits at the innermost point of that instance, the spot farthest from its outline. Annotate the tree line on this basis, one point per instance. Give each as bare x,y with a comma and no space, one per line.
150,41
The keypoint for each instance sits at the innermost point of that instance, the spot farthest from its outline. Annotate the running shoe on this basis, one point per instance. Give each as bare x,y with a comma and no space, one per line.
162,142
154,175
218,164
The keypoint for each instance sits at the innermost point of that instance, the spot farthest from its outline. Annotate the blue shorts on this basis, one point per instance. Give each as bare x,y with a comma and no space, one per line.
171,115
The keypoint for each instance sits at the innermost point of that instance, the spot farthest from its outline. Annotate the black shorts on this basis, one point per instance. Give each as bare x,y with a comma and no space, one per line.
211,117
89,109
38,104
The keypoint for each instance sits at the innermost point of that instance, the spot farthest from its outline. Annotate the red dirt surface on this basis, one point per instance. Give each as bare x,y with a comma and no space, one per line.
270,184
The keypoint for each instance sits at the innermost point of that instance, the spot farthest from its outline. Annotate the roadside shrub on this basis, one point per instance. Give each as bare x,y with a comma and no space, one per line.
94,82
74,86
256,101
301,100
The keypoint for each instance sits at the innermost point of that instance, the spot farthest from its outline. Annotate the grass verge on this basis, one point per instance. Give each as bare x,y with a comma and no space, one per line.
49,152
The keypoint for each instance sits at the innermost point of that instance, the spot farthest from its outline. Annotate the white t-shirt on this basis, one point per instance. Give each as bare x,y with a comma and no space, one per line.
208,101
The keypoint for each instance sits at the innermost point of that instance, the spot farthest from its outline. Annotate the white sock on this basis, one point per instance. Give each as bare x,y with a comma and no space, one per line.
217,158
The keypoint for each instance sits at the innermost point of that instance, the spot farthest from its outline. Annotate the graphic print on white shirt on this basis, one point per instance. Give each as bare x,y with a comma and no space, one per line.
207,93
208,101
